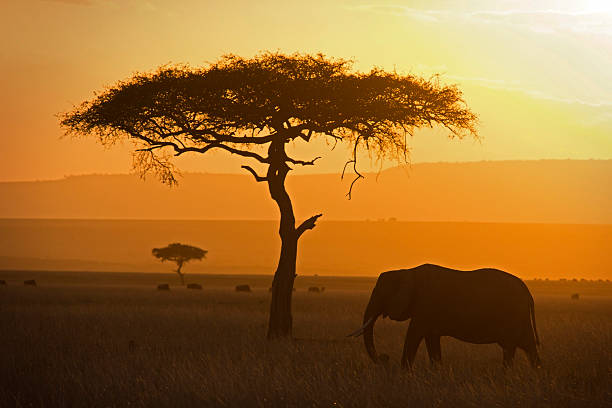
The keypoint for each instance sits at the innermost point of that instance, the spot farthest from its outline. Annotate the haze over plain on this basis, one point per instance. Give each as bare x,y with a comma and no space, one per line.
517,216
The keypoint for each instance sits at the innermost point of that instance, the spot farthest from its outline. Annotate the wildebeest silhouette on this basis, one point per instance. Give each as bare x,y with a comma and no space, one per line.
196,286
314,289
2,282
243,288
29,282
163,286
575,296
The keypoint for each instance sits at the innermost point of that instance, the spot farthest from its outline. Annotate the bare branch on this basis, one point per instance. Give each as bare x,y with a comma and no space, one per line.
258,178
344,168
302,162
157,144
244,153
145,161
359,176
354,161
220,137
307,225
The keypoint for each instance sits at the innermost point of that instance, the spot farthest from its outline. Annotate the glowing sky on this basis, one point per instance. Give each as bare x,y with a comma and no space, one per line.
539,73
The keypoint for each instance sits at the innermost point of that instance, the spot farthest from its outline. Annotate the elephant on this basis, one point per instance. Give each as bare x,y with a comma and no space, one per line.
480,306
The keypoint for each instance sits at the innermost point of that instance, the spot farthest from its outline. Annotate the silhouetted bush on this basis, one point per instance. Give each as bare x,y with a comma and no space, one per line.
196,286
575,296
29,282
314,289
163,286
243,288
2,282
179,254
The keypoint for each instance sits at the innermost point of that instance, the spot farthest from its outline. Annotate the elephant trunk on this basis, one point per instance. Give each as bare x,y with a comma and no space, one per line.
369,318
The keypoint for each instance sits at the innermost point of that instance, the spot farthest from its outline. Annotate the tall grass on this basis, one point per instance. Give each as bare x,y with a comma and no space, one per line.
134,346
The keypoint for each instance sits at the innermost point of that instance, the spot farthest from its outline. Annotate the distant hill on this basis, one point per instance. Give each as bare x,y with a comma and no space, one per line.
547,191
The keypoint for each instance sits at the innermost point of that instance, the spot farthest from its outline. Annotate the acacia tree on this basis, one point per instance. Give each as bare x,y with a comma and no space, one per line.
179,254
253,108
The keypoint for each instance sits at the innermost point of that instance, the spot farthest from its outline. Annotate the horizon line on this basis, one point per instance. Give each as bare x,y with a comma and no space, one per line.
237,173
389,220
260,275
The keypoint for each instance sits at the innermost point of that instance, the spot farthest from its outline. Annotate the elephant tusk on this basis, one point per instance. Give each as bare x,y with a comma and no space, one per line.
360,330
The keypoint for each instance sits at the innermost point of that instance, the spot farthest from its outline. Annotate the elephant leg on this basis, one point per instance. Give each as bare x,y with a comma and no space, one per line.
433,349
532,354
411,344
509,355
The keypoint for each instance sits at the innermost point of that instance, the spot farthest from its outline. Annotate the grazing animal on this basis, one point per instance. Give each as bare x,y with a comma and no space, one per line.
163,286
575,296
2,282
196,286
243,288
29,282
481,306
314,289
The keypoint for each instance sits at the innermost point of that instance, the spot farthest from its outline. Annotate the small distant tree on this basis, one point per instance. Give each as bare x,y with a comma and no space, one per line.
179,254
254,108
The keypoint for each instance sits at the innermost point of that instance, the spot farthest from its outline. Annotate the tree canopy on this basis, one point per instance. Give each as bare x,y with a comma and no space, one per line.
179,253
240,105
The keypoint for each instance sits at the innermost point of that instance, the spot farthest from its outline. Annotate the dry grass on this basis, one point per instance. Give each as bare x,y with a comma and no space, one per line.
134,346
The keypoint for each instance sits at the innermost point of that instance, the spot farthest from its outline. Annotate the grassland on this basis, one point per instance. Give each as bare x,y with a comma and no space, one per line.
104,340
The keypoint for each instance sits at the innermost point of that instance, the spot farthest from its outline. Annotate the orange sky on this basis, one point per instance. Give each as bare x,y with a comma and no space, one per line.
539,73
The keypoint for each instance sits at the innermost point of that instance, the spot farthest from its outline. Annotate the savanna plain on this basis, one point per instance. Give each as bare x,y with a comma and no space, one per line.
112,339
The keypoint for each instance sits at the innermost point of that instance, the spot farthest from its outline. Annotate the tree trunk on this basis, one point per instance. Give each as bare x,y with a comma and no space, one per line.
281,322
178,270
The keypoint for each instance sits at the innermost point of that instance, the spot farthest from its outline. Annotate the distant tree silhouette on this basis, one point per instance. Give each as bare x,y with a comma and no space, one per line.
253,108
179,254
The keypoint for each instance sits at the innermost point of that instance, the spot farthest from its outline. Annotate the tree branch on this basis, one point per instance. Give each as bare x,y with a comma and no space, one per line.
244,153
307,225
219,137
258,178
357,177
158,144
357,174
302,162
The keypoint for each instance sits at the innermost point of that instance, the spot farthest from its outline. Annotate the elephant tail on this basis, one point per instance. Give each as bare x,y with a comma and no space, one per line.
533,320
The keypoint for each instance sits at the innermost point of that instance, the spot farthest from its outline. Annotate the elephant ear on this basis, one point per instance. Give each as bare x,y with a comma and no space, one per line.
399,306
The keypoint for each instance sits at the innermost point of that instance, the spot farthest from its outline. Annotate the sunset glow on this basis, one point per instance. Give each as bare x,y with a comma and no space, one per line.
289,203
538,73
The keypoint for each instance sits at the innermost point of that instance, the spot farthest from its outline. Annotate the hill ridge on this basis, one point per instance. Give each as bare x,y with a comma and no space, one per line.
548,191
